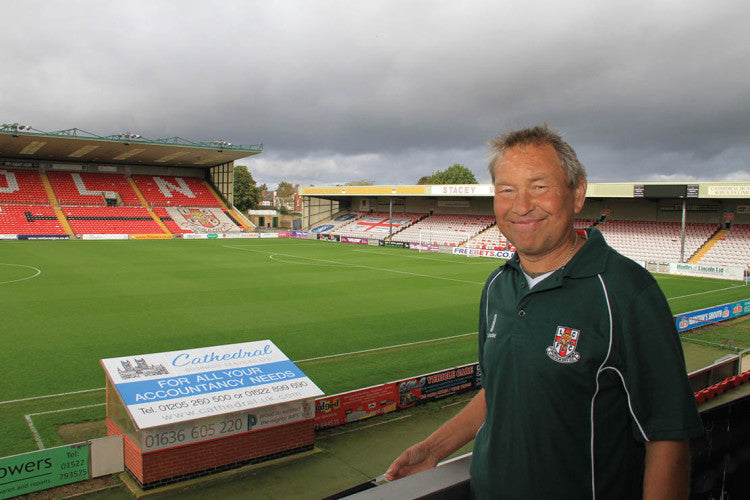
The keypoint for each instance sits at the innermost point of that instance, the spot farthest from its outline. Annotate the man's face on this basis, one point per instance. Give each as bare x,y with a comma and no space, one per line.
534,204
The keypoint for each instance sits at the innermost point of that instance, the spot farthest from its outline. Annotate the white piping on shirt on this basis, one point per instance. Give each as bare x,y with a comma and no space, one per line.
487,305
601,369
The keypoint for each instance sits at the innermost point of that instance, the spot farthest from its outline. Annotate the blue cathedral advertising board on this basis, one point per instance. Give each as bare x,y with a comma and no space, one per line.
253,381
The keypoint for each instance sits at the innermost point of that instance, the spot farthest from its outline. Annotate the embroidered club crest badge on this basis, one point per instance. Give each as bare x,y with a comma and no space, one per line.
563,350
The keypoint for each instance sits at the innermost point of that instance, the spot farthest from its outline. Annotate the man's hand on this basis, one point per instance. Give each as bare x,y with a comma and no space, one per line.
451,436
418,458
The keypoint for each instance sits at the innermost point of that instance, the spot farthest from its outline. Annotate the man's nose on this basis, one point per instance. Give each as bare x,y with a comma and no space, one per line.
523,203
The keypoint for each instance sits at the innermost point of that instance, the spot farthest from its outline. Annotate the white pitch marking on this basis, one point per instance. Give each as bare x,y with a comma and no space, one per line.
464,262
296,361
50,396
382,348
703,293
38,272
362,267
273,257
29,420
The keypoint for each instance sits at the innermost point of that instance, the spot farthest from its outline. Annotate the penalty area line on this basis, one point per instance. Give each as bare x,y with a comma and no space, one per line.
708,291
359,266
30,421
385,347
50,396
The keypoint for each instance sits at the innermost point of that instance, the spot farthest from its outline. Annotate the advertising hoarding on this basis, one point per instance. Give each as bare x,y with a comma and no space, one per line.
339,409
43,469
478,252
710,315
180,386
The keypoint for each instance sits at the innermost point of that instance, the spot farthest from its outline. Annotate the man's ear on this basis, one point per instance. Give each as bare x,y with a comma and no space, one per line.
580,195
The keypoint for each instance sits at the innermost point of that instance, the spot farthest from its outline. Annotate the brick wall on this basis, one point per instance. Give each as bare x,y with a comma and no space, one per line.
185,462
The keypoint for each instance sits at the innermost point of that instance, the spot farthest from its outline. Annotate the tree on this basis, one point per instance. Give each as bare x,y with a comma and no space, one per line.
455,174
246,194
285,194
285,190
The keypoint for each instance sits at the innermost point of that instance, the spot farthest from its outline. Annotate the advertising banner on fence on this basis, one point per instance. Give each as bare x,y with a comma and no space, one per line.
40,470
399,244
347,407
43,237
704,317
177,386
104,236
477,252
722,272
299,234
424,248
356,241
355,405
212,236
150,236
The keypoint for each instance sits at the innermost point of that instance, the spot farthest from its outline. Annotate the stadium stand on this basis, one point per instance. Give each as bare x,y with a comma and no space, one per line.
111,220
732,249
377,225
200,219
170,191
84,203
491,239
173,227
334,223
29,220
445,229
22,187
87,189
647,241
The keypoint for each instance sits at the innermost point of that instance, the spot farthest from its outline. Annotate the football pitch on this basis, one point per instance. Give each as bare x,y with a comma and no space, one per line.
349,315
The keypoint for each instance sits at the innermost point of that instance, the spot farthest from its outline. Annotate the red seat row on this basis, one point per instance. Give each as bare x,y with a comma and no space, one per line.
171,191
720,388
22,187
85,188
111,220
29,220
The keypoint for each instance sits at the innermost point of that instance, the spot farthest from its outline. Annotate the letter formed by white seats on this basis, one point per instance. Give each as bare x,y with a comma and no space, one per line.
11,181
82,189
167,187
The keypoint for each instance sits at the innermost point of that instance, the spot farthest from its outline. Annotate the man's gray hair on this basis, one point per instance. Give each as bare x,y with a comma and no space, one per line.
538,136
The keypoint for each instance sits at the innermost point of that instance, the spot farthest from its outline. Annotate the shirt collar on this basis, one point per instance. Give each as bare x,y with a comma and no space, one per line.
590,260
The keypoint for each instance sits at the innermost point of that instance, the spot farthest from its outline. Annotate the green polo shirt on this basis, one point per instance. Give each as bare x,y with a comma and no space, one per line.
578,373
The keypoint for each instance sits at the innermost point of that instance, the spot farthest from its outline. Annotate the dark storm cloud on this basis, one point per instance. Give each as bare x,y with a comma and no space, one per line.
390,91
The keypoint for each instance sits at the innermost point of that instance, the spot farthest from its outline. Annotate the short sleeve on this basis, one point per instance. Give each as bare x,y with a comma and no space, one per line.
648,354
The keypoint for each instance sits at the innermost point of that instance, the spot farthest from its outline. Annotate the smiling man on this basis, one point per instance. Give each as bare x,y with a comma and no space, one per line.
585,392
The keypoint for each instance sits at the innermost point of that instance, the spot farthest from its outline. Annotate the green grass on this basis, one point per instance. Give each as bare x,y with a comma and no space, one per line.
101,299
732,335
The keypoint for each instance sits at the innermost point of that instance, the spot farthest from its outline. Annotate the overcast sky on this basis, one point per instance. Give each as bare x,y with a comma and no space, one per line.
390,91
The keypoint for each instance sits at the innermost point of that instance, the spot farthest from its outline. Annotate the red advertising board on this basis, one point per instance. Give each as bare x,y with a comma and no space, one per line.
339,409
352,406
